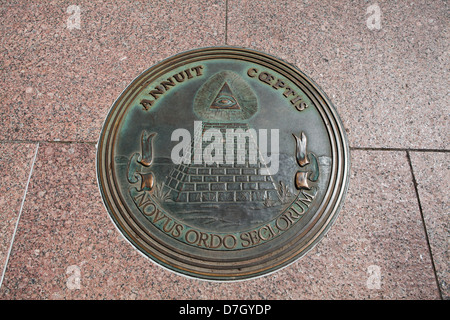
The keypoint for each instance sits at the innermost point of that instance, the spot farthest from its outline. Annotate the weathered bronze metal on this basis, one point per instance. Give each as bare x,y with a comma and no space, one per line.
223,163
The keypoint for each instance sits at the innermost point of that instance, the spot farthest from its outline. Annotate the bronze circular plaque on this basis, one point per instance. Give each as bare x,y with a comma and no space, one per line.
223,163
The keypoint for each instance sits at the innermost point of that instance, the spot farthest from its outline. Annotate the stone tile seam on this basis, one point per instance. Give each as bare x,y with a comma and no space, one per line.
19,215
351,148
408,156
51,141
400,149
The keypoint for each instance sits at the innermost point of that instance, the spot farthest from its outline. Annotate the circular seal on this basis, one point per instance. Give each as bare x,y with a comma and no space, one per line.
223,163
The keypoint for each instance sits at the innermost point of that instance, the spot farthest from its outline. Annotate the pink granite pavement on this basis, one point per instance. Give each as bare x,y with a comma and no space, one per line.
383,64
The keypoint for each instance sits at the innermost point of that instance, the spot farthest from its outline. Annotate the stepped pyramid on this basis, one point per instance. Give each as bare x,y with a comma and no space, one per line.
224,102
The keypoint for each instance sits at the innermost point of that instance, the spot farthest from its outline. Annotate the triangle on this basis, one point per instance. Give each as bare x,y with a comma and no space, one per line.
225,99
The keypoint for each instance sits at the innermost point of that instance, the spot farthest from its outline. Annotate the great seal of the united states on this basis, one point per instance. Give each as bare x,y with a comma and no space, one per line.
223,163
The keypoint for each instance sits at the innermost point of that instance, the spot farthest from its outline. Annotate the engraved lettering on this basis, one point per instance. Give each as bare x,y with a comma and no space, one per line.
202,239
297,214
272,232
252,72
266,77
229,241
295,99
282,223
177,231
188,73
254,237
301,106
147,104
166,224
188,237
168,83
151,211
246,238
198,70
307,198
260,234
233,241
213,239
288,218
279,84
288,92
208,240
158,91
143,198
145,204
159,216
179,76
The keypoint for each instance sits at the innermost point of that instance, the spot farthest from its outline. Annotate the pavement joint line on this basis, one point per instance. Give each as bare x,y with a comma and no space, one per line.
18,217
399,149
351,148
423,222
49,141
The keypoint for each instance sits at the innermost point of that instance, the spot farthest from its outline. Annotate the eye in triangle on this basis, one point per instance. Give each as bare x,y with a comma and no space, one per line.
225,99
